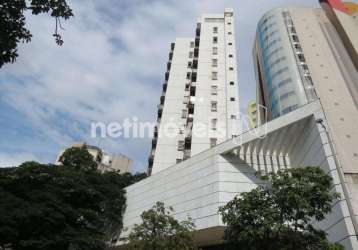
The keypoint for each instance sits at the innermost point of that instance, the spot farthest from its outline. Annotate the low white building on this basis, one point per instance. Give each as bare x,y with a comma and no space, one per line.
198,186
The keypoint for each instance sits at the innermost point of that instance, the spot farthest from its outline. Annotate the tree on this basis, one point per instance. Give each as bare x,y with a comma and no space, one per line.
278,215
61,207
79,158
13,21
160,231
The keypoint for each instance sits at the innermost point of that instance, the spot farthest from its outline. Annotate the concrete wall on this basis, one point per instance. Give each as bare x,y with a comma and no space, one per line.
314,148
197,187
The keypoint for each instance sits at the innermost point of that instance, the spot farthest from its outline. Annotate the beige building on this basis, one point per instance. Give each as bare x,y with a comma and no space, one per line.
305,54
118,163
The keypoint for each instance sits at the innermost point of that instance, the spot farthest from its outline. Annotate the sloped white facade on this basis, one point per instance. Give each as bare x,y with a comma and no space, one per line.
198,186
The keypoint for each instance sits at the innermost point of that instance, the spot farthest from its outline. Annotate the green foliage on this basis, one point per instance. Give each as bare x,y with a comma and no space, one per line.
278,215
78,158
160,231
61,207
13,21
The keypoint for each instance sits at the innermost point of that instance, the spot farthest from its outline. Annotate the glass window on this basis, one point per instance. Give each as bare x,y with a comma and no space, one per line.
213,142
215,50
214,90
181,145
214,75
213,123
214,106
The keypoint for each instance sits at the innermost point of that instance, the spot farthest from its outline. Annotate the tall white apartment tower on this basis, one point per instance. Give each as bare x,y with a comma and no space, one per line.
199,105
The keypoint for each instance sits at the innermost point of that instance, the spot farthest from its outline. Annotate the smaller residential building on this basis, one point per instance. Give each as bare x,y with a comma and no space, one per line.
106,162
252,114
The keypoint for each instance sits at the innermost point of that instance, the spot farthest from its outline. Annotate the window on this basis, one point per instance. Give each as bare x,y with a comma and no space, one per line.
301,57
213,123
214,106
190,64
215,39
215,50
213,142
286,95
181,145
231,68
191,54
214,75
230,43
228,23
231,55
233,117
192,44
230,33
179,161
295,38
184,112
215,30
232,99
188,75
232,83
214,90
214,63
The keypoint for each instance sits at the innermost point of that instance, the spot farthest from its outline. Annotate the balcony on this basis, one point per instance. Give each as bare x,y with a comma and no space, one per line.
187,154
197,32
192,91
154,142
190,118
197,42
196,52
156,132
195,64
162,99
152,152
192,100
160,106
160,112
150,162
193,76
186,100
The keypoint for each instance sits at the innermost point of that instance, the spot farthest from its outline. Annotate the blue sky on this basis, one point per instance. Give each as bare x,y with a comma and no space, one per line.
111,67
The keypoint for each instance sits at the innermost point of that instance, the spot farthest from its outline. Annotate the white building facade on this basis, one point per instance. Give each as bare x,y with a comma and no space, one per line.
313,126
199,106
305,54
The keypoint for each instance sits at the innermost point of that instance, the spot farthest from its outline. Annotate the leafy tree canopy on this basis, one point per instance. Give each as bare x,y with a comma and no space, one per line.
79,158
13,22
61,207
279,215
159,230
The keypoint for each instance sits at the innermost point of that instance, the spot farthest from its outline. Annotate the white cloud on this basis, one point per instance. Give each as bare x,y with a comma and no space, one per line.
13,160
112,65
